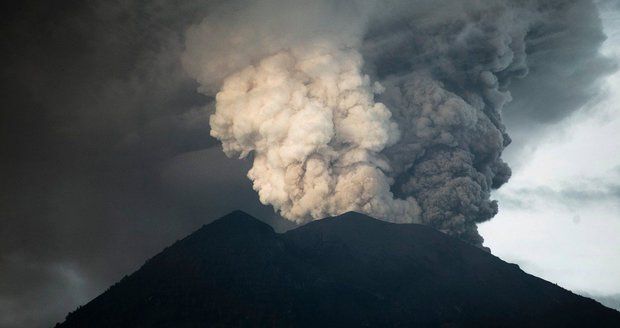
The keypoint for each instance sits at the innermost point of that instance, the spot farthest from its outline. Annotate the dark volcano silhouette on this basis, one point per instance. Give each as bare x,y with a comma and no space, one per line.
350,270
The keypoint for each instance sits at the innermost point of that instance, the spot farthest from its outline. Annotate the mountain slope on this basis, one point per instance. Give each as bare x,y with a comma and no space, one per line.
350,270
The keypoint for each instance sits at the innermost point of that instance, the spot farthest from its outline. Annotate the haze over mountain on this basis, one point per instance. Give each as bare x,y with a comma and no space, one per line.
350,270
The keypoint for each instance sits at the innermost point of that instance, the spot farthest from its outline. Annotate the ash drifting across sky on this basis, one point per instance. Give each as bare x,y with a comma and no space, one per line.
106,151
392,110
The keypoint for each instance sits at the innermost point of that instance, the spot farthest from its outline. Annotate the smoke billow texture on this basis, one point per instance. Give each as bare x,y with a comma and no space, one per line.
392,108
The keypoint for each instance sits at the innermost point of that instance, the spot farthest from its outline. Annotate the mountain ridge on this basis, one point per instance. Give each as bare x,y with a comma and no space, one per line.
350,270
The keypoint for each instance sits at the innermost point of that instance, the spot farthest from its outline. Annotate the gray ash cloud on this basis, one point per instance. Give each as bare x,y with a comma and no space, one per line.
395,111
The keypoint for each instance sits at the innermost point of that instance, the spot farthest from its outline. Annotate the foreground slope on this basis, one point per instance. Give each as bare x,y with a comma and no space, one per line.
350,270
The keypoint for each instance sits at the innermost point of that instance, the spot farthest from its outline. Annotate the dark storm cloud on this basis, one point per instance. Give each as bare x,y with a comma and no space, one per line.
564,67
106,153
565,72
101,131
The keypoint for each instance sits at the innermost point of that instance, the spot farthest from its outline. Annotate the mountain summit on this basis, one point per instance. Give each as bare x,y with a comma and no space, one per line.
349,270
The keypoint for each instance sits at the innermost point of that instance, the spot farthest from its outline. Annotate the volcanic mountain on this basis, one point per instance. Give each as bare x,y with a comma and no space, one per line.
350,270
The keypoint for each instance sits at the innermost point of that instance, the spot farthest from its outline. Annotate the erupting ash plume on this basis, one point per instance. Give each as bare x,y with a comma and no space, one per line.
310,118
392,108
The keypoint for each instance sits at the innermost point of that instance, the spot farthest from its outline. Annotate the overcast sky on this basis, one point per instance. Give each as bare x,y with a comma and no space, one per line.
107,158
559,215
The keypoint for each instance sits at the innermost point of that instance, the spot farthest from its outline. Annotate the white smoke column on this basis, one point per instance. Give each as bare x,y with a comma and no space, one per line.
308,116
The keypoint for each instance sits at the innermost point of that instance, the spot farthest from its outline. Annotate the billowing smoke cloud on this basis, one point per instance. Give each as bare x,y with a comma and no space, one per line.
391,109
310,118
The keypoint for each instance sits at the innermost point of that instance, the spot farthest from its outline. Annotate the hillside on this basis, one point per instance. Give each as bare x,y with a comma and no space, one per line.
350,270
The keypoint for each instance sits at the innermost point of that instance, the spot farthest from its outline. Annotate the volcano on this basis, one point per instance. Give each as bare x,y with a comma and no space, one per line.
349,270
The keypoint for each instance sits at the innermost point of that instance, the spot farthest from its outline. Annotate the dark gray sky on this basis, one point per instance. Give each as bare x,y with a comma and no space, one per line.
106,156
